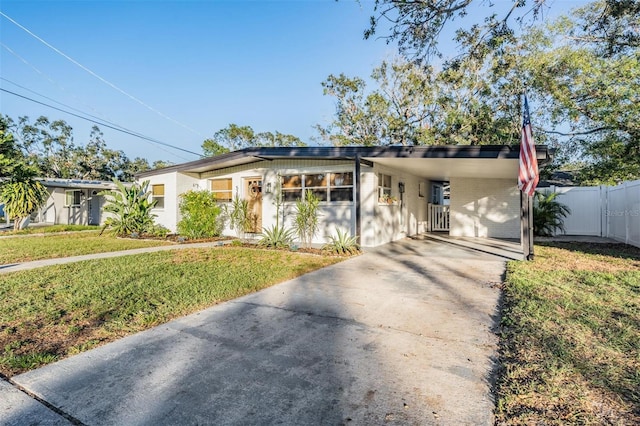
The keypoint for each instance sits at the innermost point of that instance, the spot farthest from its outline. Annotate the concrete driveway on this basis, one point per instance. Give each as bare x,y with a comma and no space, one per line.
404,334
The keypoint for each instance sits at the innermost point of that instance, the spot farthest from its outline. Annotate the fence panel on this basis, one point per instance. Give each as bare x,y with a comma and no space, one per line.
623,212
586,214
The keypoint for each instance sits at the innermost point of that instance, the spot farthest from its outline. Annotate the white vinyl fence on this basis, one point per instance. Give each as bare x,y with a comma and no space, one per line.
605,211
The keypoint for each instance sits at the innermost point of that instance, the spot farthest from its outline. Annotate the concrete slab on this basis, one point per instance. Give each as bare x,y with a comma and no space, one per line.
404,334
18,409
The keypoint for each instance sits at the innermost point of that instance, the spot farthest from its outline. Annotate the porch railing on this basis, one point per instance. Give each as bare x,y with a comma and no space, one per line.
438,217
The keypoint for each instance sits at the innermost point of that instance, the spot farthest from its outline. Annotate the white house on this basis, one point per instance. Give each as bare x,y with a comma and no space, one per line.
73,202
379,194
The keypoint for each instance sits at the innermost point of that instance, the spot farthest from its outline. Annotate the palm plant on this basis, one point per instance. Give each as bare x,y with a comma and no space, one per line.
342,243
130,208
548,214
21,198
306,219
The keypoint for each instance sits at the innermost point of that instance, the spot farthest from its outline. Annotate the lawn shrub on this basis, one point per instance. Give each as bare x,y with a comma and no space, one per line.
201,215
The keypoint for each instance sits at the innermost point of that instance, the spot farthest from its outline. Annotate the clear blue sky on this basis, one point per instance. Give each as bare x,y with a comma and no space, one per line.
205,64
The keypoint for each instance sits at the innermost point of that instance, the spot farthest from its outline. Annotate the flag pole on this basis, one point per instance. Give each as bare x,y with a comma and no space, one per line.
528,177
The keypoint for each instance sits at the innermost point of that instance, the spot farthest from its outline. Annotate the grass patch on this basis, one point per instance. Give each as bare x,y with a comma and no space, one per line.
51,229
36,247
50,313
570,345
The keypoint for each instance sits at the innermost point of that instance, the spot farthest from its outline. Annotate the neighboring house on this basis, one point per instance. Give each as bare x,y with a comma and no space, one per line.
380,194
73,201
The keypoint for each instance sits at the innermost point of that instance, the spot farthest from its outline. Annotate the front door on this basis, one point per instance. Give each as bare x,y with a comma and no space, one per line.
94,208
253,195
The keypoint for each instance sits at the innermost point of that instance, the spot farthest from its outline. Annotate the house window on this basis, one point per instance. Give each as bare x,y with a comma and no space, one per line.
384,187
341,187
157,194
72,198
223,189
326,186
292,187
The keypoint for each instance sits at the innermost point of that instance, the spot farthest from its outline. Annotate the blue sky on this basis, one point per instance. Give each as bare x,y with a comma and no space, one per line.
204,64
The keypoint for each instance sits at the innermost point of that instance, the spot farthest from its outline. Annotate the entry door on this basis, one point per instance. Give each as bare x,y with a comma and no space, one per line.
253,195
94,208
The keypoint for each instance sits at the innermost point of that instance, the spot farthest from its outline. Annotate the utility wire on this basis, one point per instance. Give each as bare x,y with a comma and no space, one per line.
97,76
102,123
52,81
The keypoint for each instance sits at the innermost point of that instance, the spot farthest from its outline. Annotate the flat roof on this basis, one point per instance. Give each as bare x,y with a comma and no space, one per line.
373,153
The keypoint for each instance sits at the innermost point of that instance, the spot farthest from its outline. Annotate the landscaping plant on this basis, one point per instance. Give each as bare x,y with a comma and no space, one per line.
548,214
201,215
342,243
276,237
21,198
306,218
130,207
240,218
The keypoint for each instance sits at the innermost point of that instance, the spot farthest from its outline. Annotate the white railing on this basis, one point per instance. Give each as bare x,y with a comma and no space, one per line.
438,217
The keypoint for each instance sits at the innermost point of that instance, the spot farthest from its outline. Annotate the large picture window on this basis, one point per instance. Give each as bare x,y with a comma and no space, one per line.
223,189
328,187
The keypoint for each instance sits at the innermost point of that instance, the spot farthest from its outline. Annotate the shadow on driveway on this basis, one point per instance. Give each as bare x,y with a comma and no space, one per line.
403,334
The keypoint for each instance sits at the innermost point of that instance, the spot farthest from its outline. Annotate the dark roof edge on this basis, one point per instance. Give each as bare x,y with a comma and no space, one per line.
345,152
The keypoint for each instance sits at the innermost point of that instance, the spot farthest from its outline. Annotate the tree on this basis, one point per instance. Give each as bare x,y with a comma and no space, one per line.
236,137
417,25
591,94
415,105
360,118
10,154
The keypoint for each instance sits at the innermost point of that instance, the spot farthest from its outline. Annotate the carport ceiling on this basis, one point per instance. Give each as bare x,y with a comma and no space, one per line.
446,168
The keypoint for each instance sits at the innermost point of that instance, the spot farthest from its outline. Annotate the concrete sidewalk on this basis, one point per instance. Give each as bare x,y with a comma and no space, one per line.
404,334
13,267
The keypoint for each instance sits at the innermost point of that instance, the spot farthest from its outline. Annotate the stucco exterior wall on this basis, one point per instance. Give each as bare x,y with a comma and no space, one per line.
484,208
391,222
54,210
332,214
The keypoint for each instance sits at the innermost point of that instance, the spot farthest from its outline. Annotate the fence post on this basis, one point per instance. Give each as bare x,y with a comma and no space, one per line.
627,208
604,207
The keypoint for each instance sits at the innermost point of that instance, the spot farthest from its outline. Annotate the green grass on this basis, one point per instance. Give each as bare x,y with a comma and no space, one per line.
49,313
50,229
36,247
570,346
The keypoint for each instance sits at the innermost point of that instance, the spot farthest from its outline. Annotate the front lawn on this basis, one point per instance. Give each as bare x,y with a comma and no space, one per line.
50,313
570,346
35,247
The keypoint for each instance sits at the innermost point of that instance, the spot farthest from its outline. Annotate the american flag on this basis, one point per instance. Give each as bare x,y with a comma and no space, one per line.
528,171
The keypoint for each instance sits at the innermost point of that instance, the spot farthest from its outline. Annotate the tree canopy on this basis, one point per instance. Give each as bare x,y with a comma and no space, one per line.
47,149
234,137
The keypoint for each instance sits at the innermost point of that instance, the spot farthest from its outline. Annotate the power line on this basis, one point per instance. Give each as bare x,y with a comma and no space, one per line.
97,76
52,81
102,123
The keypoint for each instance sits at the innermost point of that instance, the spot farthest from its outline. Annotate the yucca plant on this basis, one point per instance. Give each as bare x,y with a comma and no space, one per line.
305,221
240,218
342,243
548,214
276,237
130,208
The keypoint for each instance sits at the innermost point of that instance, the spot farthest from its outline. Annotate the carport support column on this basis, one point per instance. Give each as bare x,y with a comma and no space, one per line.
526,225
357,183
